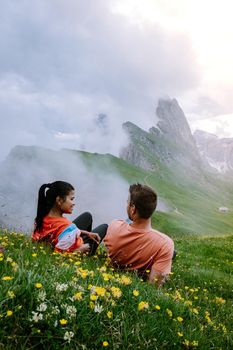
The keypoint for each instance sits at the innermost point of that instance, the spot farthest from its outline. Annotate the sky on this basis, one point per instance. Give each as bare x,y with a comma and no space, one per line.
72,71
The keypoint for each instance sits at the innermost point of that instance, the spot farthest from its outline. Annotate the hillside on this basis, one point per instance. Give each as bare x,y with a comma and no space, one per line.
56,301
185,206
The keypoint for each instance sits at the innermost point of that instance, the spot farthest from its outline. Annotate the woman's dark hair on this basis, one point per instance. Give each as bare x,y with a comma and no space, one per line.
144,198
47,199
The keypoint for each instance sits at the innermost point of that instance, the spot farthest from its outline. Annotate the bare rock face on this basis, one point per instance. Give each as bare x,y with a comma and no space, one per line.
169,142
173,124
217,152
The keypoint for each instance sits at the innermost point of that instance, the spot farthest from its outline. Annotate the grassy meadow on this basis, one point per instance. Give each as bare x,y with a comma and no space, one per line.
56,301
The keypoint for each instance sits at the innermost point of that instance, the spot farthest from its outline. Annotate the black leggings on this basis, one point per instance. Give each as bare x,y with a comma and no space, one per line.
84,222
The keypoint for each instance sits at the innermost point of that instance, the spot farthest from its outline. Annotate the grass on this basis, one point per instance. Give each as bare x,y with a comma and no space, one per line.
54,301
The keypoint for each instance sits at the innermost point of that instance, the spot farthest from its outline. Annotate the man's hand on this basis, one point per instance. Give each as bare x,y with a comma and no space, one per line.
95,237
157,277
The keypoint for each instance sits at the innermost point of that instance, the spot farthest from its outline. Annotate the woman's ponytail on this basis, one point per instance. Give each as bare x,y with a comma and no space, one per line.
42,208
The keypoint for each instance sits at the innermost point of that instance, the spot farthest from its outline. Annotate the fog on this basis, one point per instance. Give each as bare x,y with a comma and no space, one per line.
97,191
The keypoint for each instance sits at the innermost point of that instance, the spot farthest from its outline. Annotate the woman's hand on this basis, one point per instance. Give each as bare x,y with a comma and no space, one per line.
92,235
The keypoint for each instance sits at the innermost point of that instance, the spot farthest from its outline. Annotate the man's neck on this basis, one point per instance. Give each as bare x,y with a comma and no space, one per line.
142,223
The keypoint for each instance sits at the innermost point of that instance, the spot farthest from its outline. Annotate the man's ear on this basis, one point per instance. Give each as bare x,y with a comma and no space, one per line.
134,210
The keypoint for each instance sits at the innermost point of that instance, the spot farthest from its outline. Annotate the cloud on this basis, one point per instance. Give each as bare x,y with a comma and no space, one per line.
65,62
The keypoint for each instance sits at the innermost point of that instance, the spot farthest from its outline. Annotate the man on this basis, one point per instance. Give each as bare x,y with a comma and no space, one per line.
136,246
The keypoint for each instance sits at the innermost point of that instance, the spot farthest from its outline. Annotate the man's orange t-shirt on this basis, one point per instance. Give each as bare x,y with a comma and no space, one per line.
138,249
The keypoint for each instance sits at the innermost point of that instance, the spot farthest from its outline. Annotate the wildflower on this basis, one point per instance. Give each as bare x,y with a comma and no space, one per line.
78,296
93,297
68,336
9,313
10,294
7,278
71,311
105,343
61,287
135,293
109,314
63,322
194,343
100,291
125,280
143,305
116,292
169,312
36,316
34,255
55,310
195,311
38,285
42,307
9,259
219,300
41,295
157,307
98,308
180,334
180,319
91,305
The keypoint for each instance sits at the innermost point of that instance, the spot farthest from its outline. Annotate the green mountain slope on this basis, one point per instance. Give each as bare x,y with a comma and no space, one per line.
193,205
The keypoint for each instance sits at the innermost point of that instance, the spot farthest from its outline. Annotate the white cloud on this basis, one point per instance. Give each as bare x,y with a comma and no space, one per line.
64,62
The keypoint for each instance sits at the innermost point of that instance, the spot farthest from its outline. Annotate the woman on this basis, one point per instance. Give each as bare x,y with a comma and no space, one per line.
54,200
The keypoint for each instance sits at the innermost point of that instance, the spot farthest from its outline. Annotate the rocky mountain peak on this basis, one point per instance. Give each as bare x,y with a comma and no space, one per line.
217,152
169,142
172,121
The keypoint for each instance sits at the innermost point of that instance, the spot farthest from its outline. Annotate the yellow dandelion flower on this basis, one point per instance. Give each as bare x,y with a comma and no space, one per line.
135,292
157,307
63,322
105,343
116,292
219,300
195,311
180,334
7,278
10,294
91,305
34,255
9,313
125,280
180,319
93,297
169,312
194,343
143,305
186,343
100,291
109,314
78,296
38,285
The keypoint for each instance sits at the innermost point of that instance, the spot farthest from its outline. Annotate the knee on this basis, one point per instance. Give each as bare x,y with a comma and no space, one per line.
87,215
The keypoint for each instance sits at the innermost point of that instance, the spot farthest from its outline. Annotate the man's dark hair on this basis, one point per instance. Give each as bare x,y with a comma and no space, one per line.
144,198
